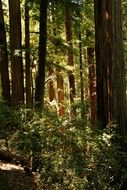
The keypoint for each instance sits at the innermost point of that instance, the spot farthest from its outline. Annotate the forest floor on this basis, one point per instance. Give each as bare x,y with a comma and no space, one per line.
13,177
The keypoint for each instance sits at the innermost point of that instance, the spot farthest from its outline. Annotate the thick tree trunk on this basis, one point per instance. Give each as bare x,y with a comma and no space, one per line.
118,71
111,103
40,80
27,56
102,60
4,59
16,52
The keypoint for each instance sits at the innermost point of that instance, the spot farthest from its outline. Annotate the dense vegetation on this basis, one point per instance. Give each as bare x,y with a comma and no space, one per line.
63,91
66,153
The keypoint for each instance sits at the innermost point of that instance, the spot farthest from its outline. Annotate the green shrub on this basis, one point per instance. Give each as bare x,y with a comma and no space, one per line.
67,154
9,123
79,159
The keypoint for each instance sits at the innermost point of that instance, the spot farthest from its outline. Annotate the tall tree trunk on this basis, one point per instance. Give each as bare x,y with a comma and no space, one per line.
81,68
91,84
91,69
60,80
68,26
16,52
103,61
110,66
60,88
4,59
27,56
118,69
40,80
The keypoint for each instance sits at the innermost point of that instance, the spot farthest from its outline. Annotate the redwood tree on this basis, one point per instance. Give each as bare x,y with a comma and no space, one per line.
110,68
91,84
91,64
69,37
81,66
27,56
103,60
118,69
16,52
4,59
40,80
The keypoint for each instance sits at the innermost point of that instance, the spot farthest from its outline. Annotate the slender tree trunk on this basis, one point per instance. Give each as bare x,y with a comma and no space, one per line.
91,71
70,51
60,80
27,56
91,84
4,59
52,95
40,80
16,52
60,89
81,68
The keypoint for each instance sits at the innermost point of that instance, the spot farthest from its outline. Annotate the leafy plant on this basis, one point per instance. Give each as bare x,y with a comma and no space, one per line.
9,122
67,153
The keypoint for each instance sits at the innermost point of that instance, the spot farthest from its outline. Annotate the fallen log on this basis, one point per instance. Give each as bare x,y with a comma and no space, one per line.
10,157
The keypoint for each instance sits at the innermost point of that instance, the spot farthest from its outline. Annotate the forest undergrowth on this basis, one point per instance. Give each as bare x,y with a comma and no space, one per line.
66,153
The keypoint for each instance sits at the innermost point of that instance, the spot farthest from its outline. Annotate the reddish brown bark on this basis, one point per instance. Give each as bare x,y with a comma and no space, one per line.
103,61
110,67
16,53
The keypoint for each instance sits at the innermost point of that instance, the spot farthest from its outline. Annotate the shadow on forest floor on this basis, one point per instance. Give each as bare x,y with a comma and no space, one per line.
15,179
